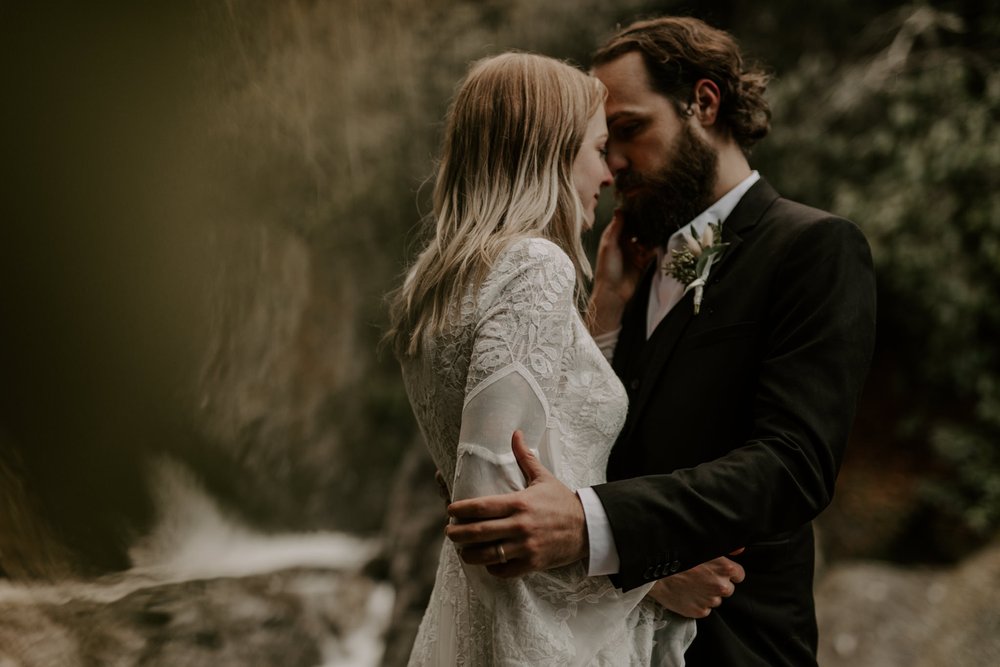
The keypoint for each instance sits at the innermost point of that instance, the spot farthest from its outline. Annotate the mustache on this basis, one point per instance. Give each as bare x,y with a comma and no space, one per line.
629,180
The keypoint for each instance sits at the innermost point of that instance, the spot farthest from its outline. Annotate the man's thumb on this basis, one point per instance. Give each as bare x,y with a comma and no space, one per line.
529,464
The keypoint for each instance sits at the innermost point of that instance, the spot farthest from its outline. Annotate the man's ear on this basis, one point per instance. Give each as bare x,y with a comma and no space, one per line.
705,104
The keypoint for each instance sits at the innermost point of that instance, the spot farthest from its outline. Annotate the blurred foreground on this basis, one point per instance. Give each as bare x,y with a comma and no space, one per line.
206,590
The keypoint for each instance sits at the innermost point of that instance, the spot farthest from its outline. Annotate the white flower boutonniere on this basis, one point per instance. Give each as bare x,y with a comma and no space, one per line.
691,264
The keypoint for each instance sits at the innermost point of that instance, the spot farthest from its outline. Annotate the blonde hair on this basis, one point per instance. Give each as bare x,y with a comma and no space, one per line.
512,133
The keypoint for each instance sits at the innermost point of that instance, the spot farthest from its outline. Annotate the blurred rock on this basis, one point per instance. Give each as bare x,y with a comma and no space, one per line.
300,617
28,548
877,615
415,524
968,618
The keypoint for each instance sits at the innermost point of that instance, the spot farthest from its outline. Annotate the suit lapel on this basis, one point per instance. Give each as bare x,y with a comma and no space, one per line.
744,217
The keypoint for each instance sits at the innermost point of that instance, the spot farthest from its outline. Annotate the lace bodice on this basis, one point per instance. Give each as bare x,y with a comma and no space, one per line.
516,355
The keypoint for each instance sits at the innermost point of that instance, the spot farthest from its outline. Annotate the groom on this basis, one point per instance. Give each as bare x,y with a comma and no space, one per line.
743,377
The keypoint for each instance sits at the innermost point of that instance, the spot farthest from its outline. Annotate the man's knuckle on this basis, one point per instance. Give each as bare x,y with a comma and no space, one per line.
519,504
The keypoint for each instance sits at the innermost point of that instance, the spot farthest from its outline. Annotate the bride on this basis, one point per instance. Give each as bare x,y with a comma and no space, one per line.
488,331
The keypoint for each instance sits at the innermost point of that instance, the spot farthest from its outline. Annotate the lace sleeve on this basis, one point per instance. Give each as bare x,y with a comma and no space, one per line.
525,315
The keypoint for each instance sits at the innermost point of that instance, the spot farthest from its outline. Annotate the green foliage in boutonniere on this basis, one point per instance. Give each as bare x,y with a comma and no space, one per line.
691,263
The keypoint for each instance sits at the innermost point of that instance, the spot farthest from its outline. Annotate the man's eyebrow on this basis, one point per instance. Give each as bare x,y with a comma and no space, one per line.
619,115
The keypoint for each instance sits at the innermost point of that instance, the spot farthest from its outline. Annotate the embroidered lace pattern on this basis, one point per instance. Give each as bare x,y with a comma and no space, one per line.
517,355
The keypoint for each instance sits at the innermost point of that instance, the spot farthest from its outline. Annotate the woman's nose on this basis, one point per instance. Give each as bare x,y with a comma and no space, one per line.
607,178
616,160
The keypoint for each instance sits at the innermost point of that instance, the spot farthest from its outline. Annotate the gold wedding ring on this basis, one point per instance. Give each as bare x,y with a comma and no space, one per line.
501,554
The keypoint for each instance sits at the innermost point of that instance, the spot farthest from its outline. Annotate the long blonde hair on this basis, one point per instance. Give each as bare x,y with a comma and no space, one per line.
512,133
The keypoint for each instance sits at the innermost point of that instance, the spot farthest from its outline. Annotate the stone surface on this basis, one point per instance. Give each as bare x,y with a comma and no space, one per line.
415,525
293,618
877,615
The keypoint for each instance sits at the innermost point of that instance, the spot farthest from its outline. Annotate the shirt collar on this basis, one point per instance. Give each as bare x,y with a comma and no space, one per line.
720,210
717,212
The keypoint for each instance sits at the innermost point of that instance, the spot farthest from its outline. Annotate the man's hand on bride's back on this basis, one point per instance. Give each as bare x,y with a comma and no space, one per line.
537,528
696,592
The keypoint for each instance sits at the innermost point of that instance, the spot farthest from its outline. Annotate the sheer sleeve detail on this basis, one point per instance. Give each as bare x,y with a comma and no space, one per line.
509,400
524,325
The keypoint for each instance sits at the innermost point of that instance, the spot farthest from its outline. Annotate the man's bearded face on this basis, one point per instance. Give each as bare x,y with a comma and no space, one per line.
656,205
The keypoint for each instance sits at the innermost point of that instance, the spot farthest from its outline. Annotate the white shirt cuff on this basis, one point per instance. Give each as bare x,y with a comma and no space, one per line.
607,341
603,551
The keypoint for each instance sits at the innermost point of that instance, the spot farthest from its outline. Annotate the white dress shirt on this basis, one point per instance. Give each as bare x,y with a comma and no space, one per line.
664,293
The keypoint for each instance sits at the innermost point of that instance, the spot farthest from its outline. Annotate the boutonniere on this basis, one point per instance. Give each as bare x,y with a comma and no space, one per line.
691,263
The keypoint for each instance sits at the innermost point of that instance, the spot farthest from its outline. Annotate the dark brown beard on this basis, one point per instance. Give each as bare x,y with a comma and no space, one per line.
672,196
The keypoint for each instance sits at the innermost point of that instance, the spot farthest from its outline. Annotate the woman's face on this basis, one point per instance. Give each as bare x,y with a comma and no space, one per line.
590,171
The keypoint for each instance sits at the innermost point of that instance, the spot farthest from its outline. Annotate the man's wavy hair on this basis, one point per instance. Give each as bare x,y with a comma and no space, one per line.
679,51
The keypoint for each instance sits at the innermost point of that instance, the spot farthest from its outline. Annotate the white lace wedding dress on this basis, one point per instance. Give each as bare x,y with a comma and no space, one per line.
517,355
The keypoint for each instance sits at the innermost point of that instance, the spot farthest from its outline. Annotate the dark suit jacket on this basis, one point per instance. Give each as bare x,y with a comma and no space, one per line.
738,419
